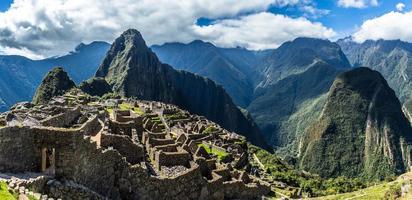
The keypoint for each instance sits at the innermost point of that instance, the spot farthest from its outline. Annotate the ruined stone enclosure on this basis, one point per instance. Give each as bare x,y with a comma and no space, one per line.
125,149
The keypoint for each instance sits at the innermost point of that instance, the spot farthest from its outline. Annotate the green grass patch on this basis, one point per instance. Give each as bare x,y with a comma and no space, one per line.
125,106
5,194
175,116
219,153
109,110
381,191
138,111
210,130
129,106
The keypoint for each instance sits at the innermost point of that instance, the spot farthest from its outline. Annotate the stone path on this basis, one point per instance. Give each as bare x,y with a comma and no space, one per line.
258,161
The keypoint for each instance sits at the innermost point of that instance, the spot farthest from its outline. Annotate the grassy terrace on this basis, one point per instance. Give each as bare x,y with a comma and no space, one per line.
175,116
129,106
210,130
220,154
381,191
126,106
5,194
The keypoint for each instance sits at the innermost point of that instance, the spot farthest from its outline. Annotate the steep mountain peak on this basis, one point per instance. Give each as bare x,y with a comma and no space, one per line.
55,83
134,38
128,51
133,70
361,131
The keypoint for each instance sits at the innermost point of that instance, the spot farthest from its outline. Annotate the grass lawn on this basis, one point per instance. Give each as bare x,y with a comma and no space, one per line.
5,194
220,154
129,106
376,192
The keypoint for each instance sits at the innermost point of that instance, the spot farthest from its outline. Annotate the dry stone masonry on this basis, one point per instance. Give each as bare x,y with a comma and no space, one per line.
90,148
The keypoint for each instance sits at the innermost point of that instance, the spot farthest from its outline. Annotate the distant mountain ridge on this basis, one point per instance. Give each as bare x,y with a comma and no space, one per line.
20,76
280,87
230,67
297,56
392,58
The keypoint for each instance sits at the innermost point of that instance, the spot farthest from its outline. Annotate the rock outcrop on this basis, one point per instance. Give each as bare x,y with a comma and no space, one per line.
133,70
95,87
55,83
361,131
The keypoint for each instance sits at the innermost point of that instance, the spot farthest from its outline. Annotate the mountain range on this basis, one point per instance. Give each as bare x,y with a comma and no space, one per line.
20,76
285,91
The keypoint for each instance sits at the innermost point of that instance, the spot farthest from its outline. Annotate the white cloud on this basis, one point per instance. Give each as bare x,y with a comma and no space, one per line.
54,27
357,3
400,7
313,12
390,26
261,31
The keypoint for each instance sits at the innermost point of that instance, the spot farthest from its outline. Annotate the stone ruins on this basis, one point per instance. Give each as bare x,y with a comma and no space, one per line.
84,147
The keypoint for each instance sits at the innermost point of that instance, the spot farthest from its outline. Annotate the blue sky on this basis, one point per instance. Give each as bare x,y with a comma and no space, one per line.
5,4
43,28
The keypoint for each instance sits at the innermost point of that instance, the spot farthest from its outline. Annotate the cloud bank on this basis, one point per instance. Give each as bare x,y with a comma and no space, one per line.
390,26
261,31
41,28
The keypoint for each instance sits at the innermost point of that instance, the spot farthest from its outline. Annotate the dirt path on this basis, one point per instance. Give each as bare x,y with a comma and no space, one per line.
258,161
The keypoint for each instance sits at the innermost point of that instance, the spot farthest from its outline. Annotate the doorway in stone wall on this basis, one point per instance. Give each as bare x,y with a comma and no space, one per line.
48,161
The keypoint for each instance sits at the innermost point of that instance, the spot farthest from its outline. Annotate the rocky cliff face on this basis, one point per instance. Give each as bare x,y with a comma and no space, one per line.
407,109
95,87
360,132
133,70
55,83
286,108
230,67
392,58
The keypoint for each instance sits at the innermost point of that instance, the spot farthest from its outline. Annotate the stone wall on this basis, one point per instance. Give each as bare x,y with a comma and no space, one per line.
131,151
63,119
172,159
18,151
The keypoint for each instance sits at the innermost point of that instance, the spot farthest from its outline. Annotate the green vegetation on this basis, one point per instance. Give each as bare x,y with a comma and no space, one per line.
129,106
339,144
55,83
175,116
220,154
156,120
5,194
95,86
210,130
312,185
381,191
109,110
